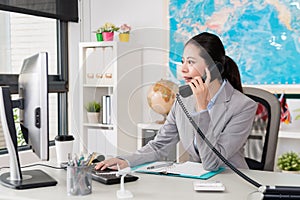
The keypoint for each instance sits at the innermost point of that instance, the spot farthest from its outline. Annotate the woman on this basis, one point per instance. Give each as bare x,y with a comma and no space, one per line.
218,107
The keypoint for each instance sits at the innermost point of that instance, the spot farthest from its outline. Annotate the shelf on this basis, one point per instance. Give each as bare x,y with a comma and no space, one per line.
98,44
104,126
152,125
100,86
289,134
278,88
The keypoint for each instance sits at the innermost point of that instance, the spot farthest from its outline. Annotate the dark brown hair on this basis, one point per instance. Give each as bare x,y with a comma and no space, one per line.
212,50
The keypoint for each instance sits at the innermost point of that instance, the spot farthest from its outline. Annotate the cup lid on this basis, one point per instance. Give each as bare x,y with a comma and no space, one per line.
64,138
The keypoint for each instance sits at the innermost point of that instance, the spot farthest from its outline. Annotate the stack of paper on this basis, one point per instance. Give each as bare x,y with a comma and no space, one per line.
186,169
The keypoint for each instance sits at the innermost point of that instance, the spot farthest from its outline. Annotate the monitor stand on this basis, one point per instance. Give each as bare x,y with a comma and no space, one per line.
16,178
30,179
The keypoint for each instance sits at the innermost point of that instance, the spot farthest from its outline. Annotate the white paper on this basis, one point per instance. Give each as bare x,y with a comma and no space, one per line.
187,168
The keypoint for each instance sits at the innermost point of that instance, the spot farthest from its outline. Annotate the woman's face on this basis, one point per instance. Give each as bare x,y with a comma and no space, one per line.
192,64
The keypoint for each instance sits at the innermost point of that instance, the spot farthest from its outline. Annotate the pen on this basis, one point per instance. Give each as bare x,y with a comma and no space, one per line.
91,159
80,161
160,165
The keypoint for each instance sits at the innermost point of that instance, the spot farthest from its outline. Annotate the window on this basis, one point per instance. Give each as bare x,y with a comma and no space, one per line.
22,36
26,35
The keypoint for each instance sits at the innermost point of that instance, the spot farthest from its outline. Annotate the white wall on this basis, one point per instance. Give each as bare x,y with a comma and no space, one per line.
28,157
149,22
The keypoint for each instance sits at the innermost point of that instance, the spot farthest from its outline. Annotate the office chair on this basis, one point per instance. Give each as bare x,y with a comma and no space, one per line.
261,145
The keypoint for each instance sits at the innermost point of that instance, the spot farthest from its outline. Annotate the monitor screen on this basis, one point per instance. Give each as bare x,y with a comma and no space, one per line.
33,89
33,105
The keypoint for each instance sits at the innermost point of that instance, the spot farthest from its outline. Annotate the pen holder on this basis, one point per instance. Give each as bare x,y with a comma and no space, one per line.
79,180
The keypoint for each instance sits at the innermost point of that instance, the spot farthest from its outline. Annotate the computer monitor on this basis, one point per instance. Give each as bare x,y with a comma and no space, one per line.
33,88
33,105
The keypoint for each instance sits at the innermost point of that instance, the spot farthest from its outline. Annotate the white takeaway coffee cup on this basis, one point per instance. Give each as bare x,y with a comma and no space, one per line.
64,146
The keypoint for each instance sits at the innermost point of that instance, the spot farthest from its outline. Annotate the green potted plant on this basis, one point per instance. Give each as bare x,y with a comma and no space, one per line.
289,162
108,31
93,109
99,35
124,32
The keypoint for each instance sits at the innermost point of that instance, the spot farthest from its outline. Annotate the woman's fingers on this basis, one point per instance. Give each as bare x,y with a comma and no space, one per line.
112,163
200,91
99,165
105,163
197,85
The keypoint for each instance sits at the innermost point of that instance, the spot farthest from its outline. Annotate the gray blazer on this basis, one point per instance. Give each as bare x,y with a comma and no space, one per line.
227,126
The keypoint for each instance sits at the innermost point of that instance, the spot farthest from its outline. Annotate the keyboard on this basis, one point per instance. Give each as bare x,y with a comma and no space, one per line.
108,177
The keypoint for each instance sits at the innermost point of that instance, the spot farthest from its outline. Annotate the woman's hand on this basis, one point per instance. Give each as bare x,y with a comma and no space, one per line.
112,163
200,90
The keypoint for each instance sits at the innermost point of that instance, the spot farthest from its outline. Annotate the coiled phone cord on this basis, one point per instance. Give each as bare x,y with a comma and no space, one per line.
233,168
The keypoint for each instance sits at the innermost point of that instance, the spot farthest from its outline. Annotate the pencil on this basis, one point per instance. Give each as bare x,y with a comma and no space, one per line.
91,159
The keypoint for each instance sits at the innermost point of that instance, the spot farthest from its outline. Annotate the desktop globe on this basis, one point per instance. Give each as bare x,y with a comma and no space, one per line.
161,97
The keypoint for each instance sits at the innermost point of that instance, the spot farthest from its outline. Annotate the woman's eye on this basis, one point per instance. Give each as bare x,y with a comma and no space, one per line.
182,61
191,62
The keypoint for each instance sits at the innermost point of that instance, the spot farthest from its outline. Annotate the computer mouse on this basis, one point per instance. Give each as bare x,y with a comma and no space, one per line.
99,158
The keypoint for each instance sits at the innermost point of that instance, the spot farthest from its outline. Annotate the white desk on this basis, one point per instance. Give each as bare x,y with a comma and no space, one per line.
155,187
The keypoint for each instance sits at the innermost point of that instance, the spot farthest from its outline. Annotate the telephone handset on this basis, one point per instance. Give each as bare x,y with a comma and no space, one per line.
186,90
215,71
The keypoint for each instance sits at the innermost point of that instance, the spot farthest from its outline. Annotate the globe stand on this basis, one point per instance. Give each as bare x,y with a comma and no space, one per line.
161,121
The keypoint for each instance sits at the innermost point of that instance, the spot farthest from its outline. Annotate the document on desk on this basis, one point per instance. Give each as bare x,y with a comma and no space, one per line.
187,169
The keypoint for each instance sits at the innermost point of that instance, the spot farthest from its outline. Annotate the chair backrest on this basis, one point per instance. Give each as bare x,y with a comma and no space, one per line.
261,146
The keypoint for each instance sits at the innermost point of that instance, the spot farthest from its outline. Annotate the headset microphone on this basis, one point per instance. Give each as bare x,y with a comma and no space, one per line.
269,192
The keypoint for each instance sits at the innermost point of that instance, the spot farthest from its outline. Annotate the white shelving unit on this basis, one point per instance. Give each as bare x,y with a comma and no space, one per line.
289,134
114,69
288,140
